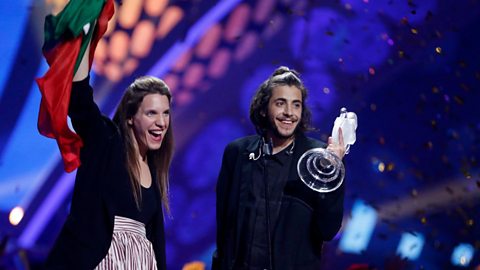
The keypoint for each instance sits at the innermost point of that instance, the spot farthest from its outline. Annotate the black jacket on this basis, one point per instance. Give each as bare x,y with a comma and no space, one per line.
306,218
101,181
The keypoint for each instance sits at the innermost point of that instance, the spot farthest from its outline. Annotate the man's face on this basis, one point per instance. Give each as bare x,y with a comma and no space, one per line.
284,111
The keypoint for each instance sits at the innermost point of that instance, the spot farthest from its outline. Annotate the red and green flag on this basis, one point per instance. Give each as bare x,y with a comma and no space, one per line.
64,46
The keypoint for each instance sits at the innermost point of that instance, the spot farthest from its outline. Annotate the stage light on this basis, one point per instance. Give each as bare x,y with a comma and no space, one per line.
359,229
16,215
411,245
462,255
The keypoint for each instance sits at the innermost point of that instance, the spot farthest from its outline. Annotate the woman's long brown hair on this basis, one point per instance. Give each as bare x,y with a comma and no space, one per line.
162,157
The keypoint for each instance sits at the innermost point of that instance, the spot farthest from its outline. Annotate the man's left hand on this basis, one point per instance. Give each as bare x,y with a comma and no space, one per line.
337,149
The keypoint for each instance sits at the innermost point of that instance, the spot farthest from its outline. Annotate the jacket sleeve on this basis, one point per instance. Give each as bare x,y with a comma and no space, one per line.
85,115
328,213
225,178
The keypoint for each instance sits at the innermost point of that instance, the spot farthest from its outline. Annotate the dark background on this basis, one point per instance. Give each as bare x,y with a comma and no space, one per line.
410,70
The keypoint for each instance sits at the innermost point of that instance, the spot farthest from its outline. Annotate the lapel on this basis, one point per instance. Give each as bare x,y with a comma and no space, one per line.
244,180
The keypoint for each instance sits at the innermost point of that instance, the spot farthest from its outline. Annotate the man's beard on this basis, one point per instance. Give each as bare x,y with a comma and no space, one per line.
273,130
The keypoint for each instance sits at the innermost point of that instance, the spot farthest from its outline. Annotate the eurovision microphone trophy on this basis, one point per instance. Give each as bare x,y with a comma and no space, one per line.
320,169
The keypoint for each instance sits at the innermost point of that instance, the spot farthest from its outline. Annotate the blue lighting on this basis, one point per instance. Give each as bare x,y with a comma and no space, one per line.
462,255
410,245
359,229
14,18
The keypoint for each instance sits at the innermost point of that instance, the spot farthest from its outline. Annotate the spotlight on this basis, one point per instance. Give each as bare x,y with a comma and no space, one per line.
462,255
16,215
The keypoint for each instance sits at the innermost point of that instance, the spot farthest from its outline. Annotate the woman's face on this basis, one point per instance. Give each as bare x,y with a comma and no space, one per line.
150,123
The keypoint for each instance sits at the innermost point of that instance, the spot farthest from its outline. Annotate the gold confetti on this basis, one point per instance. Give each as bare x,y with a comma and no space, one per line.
414,31
424,220
371,70
429,145
326,90
438,50
390,166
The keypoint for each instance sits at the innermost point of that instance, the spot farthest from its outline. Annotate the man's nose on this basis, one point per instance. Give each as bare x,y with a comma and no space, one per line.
288,110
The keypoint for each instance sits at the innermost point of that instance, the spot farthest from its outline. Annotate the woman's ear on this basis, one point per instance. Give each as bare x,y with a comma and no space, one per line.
130,121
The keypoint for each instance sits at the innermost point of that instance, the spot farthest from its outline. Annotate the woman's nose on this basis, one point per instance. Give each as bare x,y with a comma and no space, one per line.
160,121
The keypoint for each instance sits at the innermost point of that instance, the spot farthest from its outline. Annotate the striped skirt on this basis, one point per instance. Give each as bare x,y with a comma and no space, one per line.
130,248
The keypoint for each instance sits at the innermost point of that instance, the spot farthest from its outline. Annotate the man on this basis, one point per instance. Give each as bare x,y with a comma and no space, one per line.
267,218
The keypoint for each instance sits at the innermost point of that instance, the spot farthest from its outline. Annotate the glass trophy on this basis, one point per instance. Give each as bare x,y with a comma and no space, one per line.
322,170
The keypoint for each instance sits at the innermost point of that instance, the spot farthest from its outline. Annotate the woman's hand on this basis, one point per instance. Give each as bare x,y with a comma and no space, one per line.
84,67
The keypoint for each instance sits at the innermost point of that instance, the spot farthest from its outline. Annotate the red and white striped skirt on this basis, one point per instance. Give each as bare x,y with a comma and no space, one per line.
130,248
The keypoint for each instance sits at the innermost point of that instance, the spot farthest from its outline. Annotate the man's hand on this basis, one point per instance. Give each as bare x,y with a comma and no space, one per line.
337,149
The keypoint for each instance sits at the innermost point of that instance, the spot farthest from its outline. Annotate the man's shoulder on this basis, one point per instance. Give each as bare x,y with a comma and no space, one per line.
312,142
244,141
240,144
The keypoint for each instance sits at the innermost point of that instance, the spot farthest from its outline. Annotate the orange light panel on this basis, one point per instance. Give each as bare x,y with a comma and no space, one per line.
209,41
119,43
237,22
142,38
113,72
182,61
129,13
155,7
193,75
129,66
246,46
219,63
262,10
100,52
169,19
172,81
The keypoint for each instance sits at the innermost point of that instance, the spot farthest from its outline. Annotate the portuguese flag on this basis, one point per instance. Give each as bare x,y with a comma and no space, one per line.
64,46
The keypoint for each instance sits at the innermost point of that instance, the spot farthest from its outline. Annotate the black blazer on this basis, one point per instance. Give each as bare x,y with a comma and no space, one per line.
306,218
102,179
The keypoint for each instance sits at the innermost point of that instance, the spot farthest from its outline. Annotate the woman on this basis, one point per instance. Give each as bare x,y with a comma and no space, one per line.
116,217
